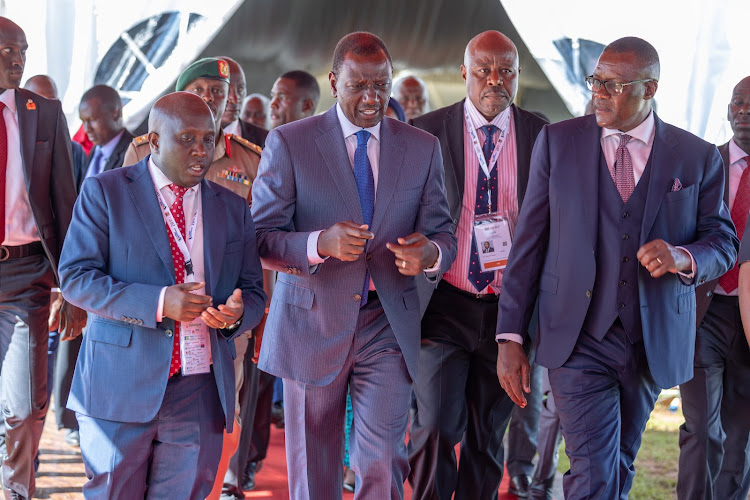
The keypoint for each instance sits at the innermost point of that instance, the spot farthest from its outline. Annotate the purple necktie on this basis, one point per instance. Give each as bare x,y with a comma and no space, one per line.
624,179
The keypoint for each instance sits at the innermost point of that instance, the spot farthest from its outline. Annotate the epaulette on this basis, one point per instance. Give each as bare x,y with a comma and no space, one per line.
246,143
141,139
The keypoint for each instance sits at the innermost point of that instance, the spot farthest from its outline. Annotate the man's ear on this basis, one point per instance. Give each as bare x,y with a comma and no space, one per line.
651,89
153,141
332,81
308,106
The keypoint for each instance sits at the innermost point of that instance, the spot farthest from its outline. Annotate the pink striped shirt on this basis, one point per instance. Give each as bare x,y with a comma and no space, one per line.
507,196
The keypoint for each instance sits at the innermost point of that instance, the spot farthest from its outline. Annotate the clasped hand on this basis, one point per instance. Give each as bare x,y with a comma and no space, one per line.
182,305
346,241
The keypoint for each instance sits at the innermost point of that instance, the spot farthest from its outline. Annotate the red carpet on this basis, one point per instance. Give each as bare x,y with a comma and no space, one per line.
271,480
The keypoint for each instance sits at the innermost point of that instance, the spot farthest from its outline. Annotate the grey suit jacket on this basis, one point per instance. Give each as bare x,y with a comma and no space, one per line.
305,183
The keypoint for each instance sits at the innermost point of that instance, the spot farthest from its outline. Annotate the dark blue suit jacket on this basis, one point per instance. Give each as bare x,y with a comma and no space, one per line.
554,252
114,263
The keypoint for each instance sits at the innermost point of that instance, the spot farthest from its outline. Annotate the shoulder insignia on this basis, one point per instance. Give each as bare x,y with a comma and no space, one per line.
246,143
141,139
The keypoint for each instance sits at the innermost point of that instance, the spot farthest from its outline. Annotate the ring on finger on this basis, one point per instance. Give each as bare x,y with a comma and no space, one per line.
403,264
224,325
659,260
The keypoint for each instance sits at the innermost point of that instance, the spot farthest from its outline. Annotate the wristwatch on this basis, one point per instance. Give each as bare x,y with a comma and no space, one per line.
234,326
503,341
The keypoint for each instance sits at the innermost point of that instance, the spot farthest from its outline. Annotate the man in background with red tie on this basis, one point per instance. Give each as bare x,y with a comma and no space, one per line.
716,402
166,264
36,200
623,217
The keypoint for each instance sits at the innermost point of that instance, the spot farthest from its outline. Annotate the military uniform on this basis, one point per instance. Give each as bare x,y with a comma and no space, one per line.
235,164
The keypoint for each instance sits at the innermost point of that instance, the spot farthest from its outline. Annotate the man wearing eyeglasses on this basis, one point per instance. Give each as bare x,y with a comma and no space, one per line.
623,216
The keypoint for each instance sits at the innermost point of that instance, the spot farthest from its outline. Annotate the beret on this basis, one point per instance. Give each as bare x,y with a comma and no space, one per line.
208,67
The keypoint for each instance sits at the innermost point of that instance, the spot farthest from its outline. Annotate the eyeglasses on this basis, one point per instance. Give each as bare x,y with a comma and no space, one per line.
613,88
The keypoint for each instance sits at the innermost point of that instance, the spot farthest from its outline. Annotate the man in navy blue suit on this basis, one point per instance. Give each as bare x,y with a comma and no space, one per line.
166,264
624,215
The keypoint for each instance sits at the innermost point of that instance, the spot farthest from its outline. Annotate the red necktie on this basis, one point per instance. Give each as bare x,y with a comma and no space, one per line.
3,166
740,210
178,212
624,179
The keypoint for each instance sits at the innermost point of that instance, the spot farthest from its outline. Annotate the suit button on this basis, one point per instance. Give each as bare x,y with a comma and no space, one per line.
123,318
621,306
369,256
702,280
625,259
625,215
140,322
357,297
168,333
588,294
623,282
625,236
709,294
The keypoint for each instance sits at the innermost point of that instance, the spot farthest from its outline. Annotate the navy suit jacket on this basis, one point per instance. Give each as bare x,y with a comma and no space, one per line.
306,183
115,261
114,161
554,251
48,168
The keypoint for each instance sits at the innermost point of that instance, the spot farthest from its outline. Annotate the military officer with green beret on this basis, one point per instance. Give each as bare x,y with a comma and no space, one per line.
235,163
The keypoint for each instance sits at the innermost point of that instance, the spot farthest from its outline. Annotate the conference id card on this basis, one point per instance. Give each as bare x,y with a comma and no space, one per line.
195,347
493,236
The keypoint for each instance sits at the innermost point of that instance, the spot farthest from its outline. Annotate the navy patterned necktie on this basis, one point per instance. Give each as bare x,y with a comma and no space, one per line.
483,205
366,189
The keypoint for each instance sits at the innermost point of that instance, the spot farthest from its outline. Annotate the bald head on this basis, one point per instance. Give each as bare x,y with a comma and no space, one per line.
411,94
181,133
237,92
491,70
739,114
42,85
12,54
645,54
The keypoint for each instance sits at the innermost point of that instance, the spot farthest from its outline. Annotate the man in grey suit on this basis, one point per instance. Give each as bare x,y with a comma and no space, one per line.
345,311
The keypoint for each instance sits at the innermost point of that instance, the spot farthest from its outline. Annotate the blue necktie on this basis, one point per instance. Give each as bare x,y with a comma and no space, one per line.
366,189
480,279
95,165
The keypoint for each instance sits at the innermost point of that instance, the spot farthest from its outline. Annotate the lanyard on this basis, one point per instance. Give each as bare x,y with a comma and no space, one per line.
177,234
480,154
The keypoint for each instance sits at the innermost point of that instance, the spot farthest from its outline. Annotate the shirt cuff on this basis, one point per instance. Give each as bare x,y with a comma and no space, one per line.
690,275
433,271
509,336
160,306
313,258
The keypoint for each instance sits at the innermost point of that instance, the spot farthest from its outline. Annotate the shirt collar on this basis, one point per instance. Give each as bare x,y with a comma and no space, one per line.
477,120
161,181
9,99
233,128
736,153
350,129
109,147
644,132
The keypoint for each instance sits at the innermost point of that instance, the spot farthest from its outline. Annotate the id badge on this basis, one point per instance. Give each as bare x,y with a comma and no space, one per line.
493,236
195,346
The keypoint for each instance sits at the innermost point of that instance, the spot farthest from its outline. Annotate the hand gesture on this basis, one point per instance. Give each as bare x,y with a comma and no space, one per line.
660,258
414,254
226,314
181,305
344,241
72,321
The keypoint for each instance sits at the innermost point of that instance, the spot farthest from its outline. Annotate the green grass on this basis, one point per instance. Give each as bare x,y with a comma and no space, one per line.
656,463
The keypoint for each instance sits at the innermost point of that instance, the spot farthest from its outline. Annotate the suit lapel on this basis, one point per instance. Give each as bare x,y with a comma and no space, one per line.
390,167
143,194
331,145
586,154
214,235
27,122
523,153
454,135
724,152
663,163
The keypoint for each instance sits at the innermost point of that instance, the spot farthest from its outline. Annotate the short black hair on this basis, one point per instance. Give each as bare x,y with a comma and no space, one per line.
306,82
645,52
108,97
361,43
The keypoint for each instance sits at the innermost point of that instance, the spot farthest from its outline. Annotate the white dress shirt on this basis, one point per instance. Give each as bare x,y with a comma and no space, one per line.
233,128
20,226
191,203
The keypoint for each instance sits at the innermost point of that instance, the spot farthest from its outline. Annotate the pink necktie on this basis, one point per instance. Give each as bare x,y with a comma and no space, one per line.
624,179
740,210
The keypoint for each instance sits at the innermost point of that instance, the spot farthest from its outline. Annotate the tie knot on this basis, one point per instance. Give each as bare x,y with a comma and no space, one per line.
178,191
624,139
489,131
362,137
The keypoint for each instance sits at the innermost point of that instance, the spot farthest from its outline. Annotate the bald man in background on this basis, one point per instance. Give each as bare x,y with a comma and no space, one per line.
411,94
